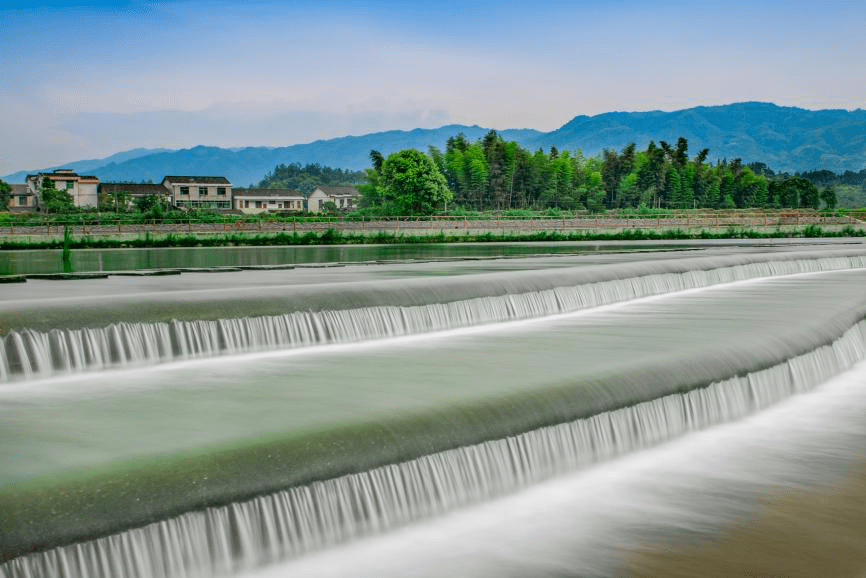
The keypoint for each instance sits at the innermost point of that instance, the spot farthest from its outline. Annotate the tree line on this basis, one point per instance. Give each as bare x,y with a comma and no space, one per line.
306,178
494,174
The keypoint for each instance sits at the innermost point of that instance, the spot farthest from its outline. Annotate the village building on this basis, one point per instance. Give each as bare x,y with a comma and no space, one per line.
199,192
184,192
83,189
133,191
21,198
345,198
252,201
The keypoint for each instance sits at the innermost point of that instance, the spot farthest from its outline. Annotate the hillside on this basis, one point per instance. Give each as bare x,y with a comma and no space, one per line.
89,166
785,138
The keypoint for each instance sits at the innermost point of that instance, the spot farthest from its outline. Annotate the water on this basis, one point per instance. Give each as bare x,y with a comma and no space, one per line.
661,511
30,353
29,262
449,430
110,260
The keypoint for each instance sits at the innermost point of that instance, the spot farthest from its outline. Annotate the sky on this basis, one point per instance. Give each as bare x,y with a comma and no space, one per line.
85,79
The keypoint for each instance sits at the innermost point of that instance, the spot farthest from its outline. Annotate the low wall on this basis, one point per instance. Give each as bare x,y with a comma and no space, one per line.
453,225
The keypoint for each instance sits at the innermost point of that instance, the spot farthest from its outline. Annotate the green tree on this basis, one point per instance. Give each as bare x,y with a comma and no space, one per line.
147,202
413,183
377,160
5,193
329,207
53,200
828,195
113,202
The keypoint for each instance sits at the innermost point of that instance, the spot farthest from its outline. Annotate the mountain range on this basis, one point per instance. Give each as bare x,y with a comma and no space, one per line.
787,139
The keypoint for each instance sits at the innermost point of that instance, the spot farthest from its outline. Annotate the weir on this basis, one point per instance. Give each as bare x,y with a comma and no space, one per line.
301,450
28,354
226,540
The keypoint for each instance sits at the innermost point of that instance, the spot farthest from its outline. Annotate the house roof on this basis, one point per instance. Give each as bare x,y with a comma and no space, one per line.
339,190
65,175
197,180
133,188
18,190
280,193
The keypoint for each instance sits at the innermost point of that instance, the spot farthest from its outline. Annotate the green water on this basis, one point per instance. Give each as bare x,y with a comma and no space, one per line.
96,260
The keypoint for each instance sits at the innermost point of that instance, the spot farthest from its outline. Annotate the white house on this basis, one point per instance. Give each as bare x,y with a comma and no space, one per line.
344,198
83,189
261,200
199,192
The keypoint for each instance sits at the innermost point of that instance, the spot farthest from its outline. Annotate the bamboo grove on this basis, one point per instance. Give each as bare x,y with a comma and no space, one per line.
493,174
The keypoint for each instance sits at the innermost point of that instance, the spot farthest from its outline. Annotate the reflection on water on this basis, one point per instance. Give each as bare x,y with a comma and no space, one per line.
95,260
86,260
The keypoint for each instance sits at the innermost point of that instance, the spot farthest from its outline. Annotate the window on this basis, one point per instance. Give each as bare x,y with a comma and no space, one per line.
321,204
202,191
184,190
258,204
22,201
69,185
221,191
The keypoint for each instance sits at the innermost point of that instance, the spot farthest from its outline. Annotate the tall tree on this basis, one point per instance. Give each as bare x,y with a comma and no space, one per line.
376,159
413,183
828,195
5,192
54,200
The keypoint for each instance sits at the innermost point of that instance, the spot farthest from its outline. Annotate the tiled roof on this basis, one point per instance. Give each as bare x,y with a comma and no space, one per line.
197,180
339,191
133,188
19,190
284,193
56,176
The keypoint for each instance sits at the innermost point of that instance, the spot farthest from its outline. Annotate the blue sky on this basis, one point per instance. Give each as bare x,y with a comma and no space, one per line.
86,79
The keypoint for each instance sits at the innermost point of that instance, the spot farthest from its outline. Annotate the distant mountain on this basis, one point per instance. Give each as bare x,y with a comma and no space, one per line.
785,138
87,167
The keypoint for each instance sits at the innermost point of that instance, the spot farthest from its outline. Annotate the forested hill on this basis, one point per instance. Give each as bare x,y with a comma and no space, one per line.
785,138
306,178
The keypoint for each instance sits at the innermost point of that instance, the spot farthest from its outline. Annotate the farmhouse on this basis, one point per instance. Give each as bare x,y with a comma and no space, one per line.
343,197
261,200
83,189
21,198
199,192
185,192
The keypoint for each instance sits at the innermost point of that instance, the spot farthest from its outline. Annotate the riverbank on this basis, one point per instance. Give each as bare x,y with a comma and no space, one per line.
332,236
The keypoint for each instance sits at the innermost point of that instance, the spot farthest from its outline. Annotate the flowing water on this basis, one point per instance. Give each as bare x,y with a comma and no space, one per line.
47,261
552,418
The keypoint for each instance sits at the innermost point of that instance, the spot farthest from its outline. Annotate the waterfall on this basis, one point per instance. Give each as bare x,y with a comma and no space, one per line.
26,354
223,540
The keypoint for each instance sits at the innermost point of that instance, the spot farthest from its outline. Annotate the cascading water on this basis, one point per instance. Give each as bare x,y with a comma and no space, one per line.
510,406
223,541
31,354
